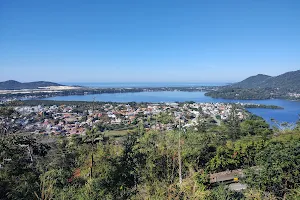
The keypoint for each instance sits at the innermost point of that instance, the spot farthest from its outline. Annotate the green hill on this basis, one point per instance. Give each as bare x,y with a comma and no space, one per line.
252,82
288,81
261,87
15,85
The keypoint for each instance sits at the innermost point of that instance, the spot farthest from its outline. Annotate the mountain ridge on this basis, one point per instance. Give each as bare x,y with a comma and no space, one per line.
16,85
252,81
289,80
283,86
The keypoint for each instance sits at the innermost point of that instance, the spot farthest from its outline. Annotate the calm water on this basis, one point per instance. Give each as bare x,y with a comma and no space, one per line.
289,114
139,85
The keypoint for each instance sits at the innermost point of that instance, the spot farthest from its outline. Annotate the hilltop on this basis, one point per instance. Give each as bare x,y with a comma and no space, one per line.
15,85
262,86
252,81
288,80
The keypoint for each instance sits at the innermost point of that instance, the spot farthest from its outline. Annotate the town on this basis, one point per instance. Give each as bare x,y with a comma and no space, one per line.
77,119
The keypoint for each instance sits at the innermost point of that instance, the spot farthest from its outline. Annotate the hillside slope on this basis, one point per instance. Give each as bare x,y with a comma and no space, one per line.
252,82
15,85
289,81
262,87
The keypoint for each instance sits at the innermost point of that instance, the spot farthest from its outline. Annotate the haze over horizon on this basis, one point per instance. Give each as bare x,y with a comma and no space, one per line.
147,41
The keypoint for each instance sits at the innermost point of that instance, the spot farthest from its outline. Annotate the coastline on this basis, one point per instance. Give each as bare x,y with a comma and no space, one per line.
48,92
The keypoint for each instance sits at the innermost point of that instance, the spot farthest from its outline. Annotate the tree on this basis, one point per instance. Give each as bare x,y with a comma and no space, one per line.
237,154
6,114
19,171
277,168
202,125
298,124
223,193
233,124
255,127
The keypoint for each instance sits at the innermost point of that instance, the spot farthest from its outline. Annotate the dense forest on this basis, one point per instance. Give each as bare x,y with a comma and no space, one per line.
251,93
153,164
289,81
240,93
261,87
252,81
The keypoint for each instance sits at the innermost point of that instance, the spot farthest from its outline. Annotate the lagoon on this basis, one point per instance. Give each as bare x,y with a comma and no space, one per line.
141,84
288,114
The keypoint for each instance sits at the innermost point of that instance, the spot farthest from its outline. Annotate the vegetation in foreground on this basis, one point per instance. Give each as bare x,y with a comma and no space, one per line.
150,164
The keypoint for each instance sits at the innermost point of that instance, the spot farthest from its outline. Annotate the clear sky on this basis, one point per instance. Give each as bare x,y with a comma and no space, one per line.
147,40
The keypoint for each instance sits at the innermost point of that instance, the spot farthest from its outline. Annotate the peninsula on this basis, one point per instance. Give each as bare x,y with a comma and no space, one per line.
284,86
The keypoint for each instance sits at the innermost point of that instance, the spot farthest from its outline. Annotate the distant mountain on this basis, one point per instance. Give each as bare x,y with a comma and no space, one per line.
15,85
252,82
289,81
261,87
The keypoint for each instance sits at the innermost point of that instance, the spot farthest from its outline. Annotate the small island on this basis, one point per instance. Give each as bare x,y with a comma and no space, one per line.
252,105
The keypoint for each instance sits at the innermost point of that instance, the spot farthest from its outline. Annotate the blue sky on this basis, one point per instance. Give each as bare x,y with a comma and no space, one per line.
147,41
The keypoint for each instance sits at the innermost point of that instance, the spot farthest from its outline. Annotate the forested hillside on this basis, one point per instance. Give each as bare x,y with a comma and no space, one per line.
252,82
261,87
289,80
146,164
15,85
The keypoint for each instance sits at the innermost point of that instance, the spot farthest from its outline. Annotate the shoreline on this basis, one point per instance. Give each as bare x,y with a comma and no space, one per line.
43,93
67,102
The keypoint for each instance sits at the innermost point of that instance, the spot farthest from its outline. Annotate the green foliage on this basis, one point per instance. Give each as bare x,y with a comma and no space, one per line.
255,127
223,193
6,111
261,87
145,164
235,155
252,82
239,93
233,124
15,85
198,149
165,118
19,174
278,169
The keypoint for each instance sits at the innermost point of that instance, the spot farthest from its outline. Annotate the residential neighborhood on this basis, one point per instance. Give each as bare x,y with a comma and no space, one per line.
75,119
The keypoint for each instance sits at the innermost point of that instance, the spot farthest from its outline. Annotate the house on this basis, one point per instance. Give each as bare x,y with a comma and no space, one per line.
116,121
226,176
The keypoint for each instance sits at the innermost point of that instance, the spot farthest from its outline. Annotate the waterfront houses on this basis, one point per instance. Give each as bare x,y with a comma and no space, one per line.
69,120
